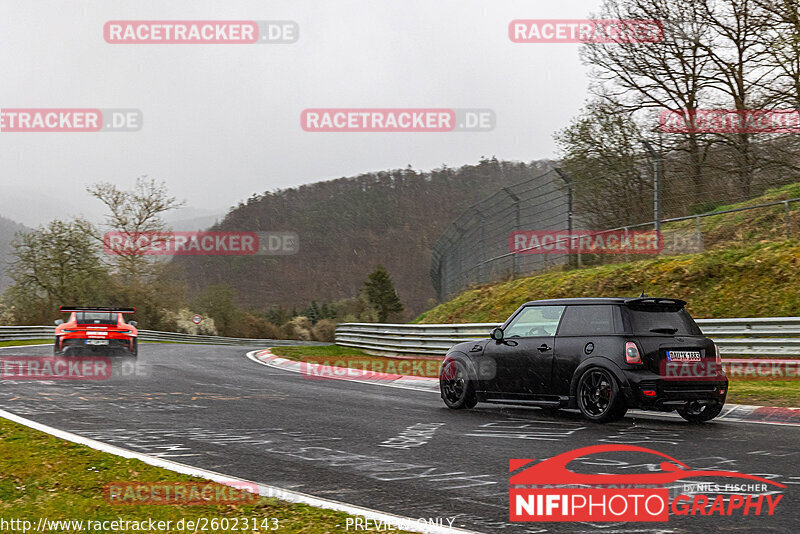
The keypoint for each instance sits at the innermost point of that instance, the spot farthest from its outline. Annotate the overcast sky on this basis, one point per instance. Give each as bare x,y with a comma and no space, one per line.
222,122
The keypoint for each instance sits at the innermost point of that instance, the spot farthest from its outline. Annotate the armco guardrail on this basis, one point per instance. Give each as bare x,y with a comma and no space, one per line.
8,333
738,338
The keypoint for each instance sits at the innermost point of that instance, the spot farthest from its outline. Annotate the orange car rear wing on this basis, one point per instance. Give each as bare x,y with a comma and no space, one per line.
111,309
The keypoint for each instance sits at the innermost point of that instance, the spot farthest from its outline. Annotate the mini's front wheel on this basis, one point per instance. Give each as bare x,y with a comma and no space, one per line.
456,386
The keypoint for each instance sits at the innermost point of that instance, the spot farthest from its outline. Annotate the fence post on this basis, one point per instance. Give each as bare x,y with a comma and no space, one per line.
627,258
517,228
788,225
570,225
480,267
515,258
699,235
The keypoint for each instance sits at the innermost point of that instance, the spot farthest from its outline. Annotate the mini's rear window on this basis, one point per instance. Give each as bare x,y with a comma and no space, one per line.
655,319
587,320
96,318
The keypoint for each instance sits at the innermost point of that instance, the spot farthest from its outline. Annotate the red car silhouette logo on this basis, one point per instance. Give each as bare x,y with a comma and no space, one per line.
554,470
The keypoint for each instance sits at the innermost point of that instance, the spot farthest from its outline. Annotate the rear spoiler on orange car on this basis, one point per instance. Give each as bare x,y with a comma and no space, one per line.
111,309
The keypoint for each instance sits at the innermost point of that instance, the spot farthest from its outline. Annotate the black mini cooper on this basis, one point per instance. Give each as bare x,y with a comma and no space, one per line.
599,355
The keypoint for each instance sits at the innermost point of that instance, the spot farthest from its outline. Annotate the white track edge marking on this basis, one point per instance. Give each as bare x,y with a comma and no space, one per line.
396,521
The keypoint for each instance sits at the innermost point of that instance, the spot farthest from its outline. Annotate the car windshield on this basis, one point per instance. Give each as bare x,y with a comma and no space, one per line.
662,320
96,318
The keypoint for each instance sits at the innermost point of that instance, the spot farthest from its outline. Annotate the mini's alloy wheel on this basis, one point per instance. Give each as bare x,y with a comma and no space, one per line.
455,385
599,397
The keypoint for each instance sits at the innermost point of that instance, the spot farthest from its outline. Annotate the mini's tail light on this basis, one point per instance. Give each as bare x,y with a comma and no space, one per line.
649,392
632,353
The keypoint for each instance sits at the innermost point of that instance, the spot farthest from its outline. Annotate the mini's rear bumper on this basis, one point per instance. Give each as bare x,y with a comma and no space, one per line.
649,391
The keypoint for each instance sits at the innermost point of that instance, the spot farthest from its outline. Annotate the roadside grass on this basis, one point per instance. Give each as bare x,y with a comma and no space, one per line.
297,353
22,342
43,476
763,392
759,392
336,356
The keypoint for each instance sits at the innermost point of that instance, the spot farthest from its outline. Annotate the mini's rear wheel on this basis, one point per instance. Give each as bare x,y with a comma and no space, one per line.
599,397
455,384
696,412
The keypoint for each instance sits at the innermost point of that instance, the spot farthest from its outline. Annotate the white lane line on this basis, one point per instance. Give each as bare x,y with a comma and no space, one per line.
265,490
252,356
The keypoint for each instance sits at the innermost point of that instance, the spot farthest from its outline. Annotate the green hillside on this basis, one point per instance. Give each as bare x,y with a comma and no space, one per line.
748,269
756,281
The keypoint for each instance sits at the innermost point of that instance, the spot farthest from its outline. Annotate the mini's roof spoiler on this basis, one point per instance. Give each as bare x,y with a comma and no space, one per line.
655,301
111,309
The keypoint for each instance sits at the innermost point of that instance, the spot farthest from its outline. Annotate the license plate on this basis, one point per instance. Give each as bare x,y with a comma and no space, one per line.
97,342
683,356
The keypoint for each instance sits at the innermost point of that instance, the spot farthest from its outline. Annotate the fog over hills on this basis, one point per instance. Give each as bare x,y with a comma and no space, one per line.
348,226
7,230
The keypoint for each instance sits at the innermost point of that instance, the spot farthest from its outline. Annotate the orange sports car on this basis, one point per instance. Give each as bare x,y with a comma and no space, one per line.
95,329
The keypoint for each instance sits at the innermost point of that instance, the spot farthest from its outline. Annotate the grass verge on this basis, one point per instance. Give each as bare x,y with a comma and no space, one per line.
43,476
22,342
336,356
762,392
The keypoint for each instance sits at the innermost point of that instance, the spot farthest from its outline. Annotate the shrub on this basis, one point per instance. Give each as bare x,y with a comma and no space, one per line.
324,330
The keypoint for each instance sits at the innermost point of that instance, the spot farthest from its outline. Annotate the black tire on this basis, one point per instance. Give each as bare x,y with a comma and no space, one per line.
135,348
599,397
695,412
456,386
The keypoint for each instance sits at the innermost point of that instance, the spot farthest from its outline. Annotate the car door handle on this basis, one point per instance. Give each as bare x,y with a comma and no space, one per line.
543,347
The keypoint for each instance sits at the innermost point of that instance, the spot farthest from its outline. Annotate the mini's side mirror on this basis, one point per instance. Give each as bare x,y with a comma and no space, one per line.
133,323
58,322
497,334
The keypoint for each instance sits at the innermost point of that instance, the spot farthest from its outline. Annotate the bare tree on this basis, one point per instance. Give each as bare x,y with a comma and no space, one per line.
602,155
672,74
133,214
740,68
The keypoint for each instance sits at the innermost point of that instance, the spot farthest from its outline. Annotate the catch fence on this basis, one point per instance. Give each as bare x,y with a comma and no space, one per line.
487,243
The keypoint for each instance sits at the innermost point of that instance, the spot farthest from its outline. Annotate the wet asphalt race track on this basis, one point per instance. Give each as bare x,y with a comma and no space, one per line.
211,407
